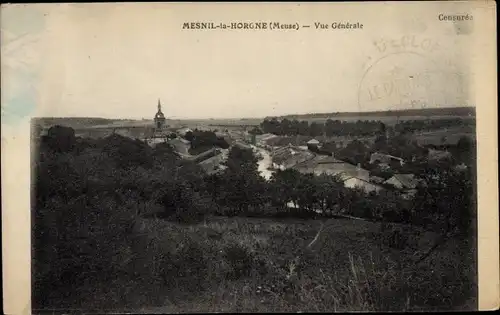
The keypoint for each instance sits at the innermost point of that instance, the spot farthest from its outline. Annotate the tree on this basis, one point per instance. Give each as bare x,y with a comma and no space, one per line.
284,186
60,138
127,152
214,187
328,193
329,128
465,151
446,203
380,144
189,136
330,147
255,131
448,197
182,202
304,128
286,127
355,152
244,188
382,128
307,198
315,129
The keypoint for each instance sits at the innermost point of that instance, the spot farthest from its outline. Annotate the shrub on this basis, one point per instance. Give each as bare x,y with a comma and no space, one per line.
394,237
240,259
182,203
185,268
60,138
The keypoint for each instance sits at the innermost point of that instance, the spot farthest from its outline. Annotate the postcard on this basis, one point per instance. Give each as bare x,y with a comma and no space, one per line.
249,157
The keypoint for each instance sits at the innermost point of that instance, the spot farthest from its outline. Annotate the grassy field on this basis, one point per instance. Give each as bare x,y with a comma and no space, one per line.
265,265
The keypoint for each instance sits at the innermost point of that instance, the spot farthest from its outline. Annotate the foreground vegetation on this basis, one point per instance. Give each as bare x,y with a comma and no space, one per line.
119,225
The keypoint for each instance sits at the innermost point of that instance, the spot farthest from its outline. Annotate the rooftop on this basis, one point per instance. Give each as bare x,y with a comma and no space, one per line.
214,164
378,154
290,156
407,180
331,166
313,141
179,140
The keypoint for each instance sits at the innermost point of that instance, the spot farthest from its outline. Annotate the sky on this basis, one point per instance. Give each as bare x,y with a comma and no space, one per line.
117,60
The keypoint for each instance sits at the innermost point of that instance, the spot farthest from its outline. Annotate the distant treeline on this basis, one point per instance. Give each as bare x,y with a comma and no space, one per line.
451,111
232,125
73,122
359,128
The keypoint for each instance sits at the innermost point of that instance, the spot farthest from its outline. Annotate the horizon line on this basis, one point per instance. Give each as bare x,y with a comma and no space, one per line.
263,117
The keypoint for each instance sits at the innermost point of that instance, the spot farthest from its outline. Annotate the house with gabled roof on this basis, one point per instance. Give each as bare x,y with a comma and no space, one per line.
180,145
406,183
403,181
288,156
355,182
352,176
214,164
385,158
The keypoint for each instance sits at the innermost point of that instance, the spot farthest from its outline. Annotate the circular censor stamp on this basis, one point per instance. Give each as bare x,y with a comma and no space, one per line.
409,79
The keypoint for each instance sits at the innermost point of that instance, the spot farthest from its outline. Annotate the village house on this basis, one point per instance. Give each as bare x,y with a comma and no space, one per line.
214,164
385,159
461,167
376,179
323,164
287,157
313,144
242,145
183,131
226,136
437,155
405,183
154,141
206,155
180,145
351,175
354,182
261,139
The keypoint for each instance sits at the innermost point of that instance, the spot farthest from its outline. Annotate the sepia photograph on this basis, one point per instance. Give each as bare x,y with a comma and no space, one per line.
251,157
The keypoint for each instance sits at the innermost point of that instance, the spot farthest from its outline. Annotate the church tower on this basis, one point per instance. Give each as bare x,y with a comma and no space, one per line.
159,118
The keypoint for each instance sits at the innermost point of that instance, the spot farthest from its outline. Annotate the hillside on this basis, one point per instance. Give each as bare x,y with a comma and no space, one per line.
450,111
73,122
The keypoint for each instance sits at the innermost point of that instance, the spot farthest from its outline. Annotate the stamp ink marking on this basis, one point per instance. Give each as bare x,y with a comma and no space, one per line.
403,78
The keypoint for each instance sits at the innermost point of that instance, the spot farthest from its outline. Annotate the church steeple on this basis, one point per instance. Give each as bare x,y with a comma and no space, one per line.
159,117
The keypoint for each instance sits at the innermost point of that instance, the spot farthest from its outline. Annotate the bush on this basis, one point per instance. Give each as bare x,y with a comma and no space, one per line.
60,138
183,204
240,259
394,237
185,268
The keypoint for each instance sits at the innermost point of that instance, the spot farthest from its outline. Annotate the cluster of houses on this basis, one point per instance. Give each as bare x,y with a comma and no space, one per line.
305,159
211,161
353,176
